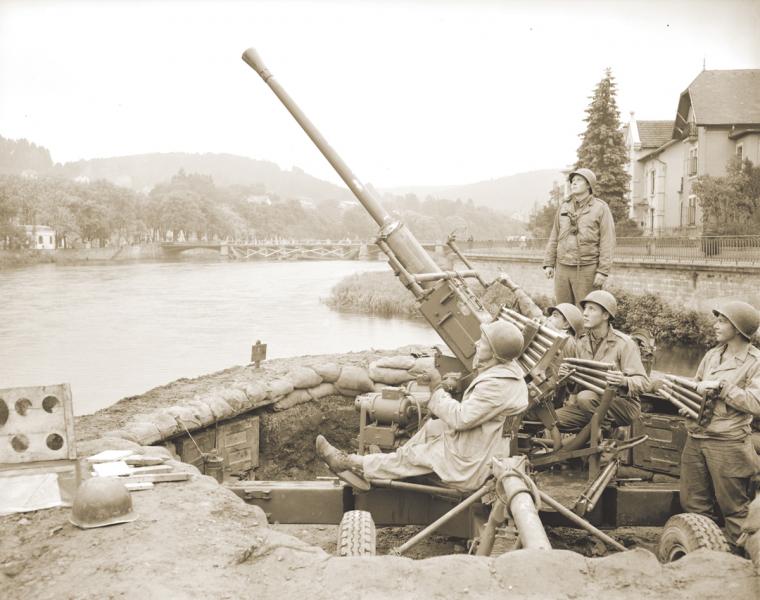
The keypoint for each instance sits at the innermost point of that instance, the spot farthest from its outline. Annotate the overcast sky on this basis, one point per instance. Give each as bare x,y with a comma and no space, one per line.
406,92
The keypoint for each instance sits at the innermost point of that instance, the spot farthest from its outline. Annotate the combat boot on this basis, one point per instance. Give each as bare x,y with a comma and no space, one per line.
343,465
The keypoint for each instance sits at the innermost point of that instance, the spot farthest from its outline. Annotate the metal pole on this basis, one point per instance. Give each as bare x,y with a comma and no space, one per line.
583,523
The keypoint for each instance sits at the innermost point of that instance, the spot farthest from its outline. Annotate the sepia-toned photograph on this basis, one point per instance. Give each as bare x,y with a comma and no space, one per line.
380,299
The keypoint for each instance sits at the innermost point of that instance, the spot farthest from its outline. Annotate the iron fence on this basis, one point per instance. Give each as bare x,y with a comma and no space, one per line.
740,250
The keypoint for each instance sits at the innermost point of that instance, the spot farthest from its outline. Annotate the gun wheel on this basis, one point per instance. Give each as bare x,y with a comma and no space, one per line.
356,534
688,532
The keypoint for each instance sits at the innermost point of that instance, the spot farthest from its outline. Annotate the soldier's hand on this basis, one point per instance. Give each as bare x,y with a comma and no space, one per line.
615,378
707,386
599,280
564,370
430,377
450,381
549,272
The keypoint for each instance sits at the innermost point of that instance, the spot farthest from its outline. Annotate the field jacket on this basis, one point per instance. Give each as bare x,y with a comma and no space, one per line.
739,399
582,235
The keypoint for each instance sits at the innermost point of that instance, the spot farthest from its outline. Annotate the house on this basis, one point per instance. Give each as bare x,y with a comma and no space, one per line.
717,119
40,237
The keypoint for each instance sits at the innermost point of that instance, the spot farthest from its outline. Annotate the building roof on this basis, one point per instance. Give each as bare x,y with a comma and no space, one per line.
654,134
722,97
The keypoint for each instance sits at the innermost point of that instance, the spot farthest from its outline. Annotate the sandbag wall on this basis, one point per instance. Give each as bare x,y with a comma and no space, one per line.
260,390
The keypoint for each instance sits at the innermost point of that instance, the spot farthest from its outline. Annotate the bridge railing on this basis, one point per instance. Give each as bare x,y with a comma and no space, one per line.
733,249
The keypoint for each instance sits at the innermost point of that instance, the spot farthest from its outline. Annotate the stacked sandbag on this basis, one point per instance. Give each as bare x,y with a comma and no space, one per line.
298,386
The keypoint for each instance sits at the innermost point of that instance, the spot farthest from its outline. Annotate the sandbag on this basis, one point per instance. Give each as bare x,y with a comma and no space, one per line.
303,377
121,434
396,362
185,415
279,388
256,393
201,410
236,398
354,378
110,441
388,376
322,391
422,364
167,425
349,392
219,408
145,433
294,398
379,387
329,372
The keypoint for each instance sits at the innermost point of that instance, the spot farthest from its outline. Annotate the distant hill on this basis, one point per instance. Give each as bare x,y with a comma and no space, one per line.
143,171
513,194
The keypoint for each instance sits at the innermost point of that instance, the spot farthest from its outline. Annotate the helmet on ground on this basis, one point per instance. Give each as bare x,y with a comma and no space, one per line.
587,174
572,315
744,317
604,299
101,501
505,339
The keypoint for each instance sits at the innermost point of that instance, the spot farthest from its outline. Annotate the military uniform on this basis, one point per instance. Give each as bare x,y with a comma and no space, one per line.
459,445
619,349
581,244
718,460
527,307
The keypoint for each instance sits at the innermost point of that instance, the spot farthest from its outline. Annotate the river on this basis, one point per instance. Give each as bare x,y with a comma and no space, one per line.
118,330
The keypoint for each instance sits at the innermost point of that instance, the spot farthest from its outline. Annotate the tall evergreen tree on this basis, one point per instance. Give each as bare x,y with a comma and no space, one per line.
603,151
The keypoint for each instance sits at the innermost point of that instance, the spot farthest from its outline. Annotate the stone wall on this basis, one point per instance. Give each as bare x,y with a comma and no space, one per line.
685,285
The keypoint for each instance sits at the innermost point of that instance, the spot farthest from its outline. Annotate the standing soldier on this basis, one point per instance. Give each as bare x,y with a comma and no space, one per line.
718,461
603,343
579,252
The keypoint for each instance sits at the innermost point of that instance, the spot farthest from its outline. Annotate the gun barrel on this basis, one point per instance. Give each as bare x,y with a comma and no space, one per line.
407,248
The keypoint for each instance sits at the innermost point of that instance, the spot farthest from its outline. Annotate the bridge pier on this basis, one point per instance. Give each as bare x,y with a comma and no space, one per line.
363,252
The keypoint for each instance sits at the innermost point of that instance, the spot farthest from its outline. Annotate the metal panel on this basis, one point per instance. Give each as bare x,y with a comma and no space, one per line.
316,502
662,451
36,424
641,505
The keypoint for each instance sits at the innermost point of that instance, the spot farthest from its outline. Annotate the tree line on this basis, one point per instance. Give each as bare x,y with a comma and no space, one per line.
101,212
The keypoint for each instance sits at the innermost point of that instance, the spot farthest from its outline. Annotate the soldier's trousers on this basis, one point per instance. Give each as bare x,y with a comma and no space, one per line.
576,413
572,283
718,471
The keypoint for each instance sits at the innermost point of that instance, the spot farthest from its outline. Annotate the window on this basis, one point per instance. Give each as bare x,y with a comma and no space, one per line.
740,152
651,182
692,210
692,163
39,240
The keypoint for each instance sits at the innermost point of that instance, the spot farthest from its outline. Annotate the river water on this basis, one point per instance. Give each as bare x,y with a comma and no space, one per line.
117,330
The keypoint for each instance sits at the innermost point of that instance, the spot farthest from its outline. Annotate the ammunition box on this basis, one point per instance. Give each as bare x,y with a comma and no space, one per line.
662,451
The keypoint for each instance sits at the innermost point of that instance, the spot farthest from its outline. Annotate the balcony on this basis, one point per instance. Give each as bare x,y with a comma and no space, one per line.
691,131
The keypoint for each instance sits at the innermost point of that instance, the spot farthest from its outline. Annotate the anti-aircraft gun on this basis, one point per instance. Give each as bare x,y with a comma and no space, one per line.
444,298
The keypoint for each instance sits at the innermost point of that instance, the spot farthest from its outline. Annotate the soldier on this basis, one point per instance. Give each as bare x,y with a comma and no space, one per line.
603,343
564,318
459,445
582,240
718,460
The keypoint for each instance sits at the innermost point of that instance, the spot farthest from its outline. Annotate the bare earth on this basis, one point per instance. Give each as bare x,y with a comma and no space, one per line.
196,539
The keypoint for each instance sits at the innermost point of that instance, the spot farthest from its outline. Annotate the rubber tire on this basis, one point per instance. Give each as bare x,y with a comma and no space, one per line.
688,532
356,534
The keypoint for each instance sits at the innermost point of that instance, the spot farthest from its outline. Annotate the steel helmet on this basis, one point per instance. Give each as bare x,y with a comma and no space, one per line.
101,501
587,174
572,315
744,317
505,339
604,299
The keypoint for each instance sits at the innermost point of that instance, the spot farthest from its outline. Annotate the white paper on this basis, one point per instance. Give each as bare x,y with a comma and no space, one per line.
109,455
25,493
112,469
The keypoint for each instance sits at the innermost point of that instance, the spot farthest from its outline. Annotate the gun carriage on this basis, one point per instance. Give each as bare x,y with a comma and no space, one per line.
389,417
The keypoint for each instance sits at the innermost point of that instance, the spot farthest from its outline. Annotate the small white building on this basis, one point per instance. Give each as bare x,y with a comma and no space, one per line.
41,237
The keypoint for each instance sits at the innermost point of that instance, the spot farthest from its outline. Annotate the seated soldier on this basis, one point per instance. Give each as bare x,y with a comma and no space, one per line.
459,444
603,343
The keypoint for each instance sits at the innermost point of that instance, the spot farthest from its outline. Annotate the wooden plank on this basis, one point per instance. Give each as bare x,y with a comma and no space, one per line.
156,478
38,424
152,469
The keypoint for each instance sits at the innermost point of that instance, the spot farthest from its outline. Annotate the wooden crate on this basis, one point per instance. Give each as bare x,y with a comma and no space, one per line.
36,424
236,441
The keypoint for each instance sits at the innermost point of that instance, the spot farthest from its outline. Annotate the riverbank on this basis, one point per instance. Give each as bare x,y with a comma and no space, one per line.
197,539
383,293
